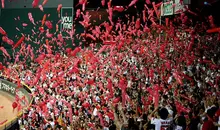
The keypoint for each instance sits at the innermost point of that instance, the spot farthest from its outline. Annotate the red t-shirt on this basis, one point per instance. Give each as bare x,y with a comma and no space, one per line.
208,125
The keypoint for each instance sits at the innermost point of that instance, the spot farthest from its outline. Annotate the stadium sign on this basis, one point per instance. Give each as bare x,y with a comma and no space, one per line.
179,7
4,86
12,89
66,20
167,8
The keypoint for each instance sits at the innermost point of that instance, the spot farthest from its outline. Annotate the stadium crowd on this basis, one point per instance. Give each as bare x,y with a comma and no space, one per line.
162,77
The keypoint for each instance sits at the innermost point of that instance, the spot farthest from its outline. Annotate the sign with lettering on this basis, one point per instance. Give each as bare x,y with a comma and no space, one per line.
66,21
7,87
167,8
10,88
179,7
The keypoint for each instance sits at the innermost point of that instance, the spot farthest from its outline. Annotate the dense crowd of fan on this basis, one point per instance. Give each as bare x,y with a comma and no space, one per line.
162,77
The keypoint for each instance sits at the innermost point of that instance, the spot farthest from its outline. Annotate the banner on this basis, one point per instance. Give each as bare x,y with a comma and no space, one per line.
167,8
179,7
10,88
66,21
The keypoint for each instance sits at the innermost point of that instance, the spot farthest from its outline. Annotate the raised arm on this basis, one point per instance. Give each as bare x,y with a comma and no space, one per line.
151,115
116,120
122,112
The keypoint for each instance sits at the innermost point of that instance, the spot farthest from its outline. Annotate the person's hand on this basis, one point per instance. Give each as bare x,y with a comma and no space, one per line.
145,126
156,108
120,107
216,124
111,106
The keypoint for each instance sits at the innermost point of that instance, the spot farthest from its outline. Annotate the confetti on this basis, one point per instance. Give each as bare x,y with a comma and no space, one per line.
19,42
3,3
148,2
7,40
78,12
133,2
2,31
5,52
214,30
43,20
31,18
41,8
49,24
44,2
59,8
35,3
103,2
111,62
118,8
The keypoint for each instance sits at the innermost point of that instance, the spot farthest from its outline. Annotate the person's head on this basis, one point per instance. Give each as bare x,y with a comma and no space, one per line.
49,127
130,122
201,110
112,127
214,109
163,113
145,117
210,113
181,121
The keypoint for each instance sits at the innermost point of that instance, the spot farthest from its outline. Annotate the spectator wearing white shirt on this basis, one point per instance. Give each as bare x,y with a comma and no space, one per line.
162,123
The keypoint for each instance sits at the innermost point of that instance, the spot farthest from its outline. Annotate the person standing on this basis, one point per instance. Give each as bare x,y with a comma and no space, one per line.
209,123
163,122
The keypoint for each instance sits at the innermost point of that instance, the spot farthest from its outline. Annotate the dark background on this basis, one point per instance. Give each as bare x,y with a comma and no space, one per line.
196,5
23,7
28,3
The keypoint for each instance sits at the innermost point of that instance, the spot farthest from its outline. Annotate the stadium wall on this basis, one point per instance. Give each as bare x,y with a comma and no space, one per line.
11,88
